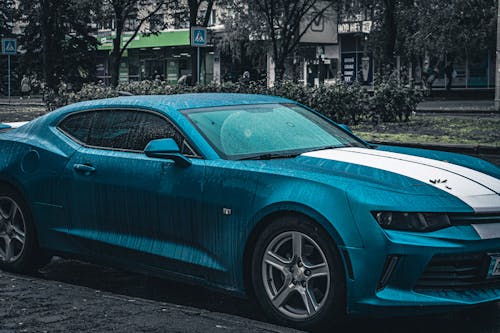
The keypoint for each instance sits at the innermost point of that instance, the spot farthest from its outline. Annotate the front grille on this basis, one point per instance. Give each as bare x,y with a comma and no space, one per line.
468,219
458,272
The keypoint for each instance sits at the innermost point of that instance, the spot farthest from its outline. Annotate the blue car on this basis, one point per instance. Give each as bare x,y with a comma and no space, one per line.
255,195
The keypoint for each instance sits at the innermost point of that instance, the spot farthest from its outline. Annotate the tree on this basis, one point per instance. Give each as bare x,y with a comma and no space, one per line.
130,15
57,39
7,17
280,22
448,27
412,28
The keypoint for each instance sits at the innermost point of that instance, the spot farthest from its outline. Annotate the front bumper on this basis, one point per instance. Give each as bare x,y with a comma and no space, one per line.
435,271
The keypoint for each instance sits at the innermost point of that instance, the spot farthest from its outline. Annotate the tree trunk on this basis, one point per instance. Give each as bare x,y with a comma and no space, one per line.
390,29
116,54
115,61
279,70
44,33
193,21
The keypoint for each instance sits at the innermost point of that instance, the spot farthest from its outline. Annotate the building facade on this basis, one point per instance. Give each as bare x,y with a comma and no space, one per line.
334,48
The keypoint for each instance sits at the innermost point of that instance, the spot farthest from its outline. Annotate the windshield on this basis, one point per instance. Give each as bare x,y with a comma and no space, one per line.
272,130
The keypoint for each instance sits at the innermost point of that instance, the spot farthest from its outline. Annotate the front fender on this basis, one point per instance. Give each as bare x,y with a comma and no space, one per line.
326,205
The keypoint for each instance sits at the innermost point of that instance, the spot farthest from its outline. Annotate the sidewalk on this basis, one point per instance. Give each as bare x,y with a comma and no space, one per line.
429,106
16,101
457,106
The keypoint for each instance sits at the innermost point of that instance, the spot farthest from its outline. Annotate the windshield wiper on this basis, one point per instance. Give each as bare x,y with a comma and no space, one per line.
268,156
327,147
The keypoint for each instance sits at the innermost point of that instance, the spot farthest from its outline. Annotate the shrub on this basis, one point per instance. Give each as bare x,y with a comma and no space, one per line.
393,101
341,102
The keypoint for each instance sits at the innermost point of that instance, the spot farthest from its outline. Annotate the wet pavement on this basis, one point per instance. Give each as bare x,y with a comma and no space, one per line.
72,296
457,106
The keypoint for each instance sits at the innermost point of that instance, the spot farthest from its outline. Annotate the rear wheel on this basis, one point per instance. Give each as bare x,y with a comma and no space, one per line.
297,274
18,249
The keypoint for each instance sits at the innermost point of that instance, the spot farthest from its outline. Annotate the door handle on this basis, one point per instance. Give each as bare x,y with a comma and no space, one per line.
84,168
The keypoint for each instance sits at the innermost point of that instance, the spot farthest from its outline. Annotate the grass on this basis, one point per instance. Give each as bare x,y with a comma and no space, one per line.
441,129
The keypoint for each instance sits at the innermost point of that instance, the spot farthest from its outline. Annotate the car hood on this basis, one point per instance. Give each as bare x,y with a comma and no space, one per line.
410,173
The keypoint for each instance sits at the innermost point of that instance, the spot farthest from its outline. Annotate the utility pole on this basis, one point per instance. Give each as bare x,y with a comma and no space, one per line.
497,73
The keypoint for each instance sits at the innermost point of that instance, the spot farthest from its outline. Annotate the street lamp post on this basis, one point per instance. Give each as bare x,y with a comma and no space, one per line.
497,74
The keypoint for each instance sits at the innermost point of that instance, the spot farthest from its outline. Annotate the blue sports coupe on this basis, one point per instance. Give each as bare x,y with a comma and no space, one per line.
255,195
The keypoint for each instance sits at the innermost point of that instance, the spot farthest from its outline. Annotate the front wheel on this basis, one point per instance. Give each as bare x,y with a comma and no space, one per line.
297,274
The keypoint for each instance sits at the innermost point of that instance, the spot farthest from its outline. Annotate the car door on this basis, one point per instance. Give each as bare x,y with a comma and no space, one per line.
124,204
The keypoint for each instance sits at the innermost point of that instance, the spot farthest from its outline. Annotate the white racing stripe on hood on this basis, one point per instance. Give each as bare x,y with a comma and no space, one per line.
472,187
486,180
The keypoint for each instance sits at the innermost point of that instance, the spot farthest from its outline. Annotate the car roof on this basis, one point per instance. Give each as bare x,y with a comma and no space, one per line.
169,103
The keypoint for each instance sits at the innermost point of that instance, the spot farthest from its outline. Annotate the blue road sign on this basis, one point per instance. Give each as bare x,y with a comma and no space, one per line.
9,46
198,36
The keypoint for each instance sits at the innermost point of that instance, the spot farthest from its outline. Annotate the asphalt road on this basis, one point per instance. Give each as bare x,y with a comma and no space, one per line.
71,296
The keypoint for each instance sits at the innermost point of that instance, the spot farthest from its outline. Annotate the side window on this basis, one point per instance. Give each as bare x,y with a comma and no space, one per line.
127,129
78,125
121,129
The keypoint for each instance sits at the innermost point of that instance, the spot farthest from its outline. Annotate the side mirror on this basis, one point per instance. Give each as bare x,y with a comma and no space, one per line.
345,127
166,149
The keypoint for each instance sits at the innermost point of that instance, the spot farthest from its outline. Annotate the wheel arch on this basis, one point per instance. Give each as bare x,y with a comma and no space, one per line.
17,186
270,214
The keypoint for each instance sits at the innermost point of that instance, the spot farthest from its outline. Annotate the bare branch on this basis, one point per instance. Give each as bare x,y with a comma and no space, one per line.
141,22
210,4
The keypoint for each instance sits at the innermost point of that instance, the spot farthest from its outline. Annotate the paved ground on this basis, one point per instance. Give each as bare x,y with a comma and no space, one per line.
35,304
433,105
457,106
71,296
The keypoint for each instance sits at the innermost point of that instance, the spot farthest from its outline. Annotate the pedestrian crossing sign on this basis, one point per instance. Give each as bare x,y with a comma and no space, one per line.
198,36
9,46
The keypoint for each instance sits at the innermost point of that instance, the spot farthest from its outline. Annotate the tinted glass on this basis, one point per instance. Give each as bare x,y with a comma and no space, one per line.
130,130
251,130
120,129
78,125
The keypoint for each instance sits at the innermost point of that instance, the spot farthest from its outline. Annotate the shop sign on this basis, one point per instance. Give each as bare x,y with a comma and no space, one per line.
357,67
349,67
355,27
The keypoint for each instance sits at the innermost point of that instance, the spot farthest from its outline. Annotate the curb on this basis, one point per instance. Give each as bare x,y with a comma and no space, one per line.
454,148
488,153
457,111
31,104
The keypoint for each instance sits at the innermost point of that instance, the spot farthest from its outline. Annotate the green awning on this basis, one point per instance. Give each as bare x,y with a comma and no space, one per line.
166,38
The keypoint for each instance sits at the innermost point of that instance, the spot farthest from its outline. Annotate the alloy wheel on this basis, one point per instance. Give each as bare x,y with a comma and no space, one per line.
12,230
296,275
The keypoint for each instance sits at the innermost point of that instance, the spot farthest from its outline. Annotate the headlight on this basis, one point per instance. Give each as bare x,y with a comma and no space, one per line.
412,221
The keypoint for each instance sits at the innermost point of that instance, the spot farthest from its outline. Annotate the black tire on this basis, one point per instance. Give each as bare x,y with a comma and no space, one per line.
307,284
26,257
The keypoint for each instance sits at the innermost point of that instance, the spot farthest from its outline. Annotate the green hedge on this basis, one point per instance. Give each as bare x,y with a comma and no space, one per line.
348,104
